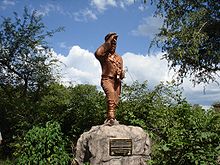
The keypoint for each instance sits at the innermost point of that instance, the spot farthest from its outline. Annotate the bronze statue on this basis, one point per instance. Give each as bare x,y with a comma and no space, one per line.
112,73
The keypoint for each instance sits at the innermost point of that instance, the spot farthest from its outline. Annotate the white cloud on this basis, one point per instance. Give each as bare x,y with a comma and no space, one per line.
148,27
155,70
96,8
89,14
84,15
125,3
201,94
49,7
63,45
142,68
82,67
8,2
141,8
80,16
102,5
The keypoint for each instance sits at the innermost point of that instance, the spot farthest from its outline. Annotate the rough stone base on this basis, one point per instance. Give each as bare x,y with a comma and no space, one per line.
93,146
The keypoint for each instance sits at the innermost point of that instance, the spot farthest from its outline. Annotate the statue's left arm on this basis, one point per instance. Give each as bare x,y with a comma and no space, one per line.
105,48
102,50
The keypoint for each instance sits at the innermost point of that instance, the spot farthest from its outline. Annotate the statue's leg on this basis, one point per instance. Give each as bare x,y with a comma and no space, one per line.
117,88
111,110
108,87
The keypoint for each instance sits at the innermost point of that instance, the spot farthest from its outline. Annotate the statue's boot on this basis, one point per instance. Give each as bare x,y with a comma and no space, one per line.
111,114
111,111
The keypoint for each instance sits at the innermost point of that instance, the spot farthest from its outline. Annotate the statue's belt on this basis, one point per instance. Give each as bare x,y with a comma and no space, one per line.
110,77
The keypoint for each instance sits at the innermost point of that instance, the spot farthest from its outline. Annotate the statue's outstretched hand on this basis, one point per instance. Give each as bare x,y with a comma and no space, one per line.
112,39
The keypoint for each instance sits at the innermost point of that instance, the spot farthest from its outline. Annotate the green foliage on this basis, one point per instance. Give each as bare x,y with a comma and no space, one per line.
216,106
138,101
86,109
26,66
86,164
181,133
76,108
43,146
54,103
190,38
6,162
186,135
25,58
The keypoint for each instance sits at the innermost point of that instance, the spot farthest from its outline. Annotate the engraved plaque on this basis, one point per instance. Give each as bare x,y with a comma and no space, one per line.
120,147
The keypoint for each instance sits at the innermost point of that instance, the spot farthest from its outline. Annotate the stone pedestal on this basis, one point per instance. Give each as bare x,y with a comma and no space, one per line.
95,146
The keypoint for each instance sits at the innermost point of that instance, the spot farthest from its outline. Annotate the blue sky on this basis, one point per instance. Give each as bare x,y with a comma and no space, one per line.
86,22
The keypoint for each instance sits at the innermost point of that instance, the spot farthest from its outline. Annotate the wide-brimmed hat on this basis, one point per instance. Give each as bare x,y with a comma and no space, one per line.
109,35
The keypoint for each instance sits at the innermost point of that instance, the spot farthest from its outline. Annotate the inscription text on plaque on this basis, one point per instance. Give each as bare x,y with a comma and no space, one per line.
120,147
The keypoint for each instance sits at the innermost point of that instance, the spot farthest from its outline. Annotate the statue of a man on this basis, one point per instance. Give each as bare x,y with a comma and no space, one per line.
112,73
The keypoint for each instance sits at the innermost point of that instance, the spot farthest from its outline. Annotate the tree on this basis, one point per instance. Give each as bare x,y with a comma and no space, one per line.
25,58
54,103
26,64
216,106
190,38
181,133
86,109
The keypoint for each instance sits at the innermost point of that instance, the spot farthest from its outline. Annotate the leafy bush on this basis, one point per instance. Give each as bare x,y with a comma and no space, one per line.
6,162
86,109
182,134
43,146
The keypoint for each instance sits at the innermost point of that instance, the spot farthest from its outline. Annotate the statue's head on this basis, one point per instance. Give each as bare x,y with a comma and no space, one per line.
110,34
113,41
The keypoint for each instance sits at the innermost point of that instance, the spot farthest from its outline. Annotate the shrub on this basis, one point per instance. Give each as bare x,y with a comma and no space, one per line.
43,146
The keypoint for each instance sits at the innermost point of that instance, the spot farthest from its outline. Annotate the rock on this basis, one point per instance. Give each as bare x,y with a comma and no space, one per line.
94,146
